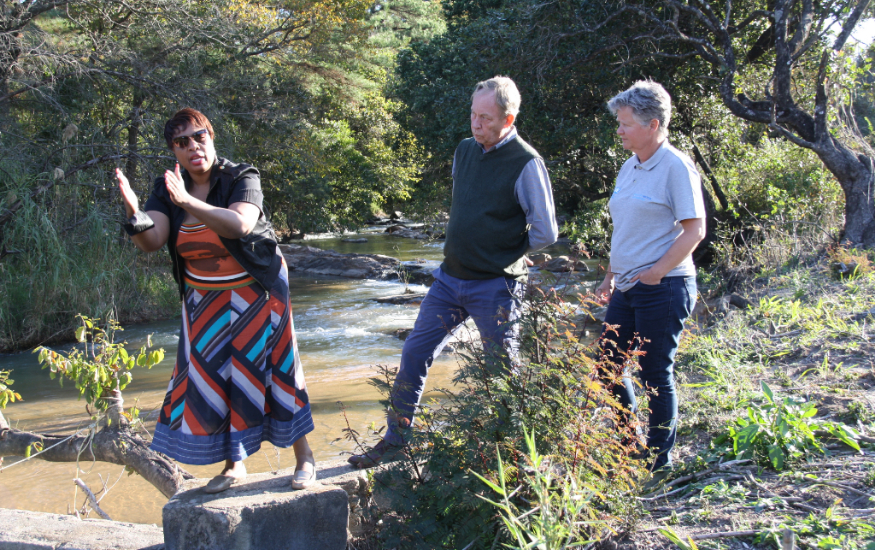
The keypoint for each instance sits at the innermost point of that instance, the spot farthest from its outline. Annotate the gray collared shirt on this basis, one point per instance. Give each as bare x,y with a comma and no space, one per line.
650,200
535,197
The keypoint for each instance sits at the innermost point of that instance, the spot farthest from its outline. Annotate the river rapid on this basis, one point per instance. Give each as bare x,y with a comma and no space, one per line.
343,333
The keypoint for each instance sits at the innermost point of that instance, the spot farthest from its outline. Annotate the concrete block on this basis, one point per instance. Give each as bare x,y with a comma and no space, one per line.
263,513
24,530
352,480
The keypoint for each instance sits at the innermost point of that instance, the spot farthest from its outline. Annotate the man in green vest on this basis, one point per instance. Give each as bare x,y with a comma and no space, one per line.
502,209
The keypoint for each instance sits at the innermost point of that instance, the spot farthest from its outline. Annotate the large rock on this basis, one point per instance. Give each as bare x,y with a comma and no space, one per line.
264,513
411,299
419,271
315,261
20,530
406,232
564,264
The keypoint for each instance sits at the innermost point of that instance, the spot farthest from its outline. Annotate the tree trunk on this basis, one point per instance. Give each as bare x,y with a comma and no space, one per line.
857,179
115,444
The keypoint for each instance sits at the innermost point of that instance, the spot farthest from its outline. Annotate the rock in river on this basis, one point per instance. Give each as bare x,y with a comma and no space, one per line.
564,264
315,261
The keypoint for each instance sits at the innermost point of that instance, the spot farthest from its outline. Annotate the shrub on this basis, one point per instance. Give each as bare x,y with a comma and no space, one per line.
436,495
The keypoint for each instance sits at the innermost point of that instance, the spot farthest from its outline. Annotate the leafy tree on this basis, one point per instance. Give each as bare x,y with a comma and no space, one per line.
781,63
564,76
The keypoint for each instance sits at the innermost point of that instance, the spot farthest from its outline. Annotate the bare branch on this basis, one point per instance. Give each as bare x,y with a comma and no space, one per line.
91,499
850,23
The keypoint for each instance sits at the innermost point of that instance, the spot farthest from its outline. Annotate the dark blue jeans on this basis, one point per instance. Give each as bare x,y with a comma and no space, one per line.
655,314
494,305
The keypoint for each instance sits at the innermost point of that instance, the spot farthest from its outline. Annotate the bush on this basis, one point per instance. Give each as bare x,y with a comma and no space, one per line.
574,491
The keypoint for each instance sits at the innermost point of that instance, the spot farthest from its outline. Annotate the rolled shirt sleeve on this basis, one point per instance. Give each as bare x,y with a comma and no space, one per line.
535,195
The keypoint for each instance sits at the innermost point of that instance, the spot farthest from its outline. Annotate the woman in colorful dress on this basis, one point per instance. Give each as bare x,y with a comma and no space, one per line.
650,286
238,378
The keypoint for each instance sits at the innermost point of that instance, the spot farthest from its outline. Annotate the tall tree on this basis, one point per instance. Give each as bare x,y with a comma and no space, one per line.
800,96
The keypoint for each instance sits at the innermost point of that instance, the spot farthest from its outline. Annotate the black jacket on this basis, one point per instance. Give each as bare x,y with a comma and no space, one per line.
229,183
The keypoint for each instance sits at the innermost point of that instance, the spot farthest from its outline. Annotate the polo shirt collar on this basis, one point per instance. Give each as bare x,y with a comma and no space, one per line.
651,163
510,135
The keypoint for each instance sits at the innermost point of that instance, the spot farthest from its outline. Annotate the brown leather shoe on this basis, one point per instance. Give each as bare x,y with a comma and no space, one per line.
382,452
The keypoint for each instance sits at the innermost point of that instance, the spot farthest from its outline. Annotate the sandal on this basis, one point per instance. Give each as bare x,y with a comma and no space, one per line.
220,483
303,479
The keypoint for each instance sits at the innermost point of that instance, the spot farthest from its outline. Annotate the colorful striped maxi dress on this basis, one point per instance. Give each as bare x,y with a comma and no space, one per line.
238,378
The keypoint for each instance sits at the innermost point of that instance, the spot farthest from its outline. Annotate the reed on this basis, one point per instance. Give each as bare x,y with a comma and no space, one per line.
68,259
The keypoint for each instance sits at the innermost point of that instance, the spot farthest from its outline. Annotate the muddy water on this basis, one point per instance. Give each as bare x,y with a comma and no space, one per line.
342,334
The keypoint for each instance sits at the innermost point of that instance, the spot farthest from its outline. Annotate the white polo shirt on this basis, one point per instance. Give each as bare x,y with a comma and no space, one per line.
649,201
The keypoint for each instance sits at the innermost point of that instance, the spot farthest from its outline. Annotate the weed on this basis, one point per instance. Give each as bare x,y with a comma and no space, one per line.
869,479
780,431
860,412
826,530
561,505
849,263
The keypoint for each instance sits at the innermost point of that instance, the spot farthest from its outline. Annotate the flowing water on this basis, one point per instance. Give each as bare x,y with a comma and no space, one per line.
342,334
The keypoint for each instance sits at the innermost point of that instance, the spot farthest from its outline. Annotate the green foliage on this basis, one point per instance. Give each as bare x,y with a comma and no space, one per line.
551,521
69,259
7,395
102,367
826,530
780,431
591,226
562,482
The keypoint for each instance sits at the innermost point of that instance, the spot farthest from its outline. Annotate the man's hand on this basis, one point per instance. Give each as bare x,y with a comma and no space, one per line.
129,198
648,277
529,263
604,291
176,187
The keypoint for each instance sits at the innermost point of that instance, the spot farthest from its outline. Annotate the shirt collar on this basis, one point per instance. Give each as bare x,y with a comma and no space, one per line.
510,135
651,163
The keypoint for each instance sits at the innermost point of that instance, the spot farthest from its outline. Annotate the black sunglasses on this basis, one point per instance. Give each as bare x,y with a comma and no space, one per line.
182,141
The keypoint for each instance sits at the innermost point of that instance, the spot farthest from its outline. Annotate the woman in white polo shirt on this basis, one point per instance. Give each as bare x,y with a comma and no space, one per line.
650,286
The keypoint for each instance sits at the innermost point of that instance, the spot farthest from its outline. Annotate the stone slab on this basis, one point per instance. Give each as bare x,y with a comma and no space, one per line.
264,513
25,530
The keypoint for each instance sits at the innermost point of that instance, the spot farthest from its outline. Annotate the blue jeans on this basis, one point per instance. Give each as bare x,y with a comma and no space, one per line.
656,314
494,305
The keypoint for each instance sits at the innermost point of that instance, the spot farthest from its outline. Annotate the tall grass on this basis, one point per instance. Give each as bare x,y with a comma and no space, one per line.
69,257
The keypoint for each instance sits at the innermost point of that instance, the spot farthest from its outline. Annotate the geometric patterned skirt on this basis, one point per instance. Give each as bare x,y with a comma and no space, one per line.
238,378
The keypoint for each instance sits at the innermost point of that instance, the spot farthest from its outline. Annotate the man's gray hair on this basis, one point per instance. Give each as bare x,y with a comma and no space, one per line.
648,100
506,94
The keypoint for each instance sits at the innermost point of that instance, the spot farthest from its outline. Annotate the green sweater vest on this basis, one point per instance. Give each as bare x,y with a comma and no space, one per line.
487,235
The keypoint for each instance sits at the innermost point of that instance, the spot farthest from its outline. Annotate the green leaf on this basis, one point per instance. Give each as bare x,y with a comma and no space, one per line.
768,392
80,334
776,455
746,438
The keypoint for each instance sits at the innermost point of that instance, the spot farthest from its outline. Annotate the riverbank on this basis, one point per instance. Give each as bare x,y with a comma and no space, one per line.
775,398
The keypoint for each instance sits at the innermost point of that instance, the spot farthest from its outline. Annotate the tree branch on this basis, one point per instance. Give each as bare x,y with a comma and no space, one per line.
107,445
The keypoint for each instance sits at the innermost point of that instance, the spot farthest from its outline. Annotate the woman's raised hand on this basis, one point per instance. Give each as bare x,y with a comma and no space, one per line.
176,187
129,198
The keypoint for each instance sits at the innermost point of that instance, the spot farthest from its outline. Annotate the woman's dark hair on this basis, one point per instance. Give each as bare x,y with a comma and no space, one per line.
183,118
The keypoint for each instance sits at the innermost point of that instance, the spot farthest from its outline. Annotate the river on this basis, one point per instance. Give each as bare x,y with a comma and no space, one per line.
342,334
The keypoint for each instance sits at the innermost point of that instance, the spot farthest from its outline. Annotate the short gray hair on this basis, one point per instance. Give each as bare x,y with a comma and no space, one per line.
648,100
506,94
